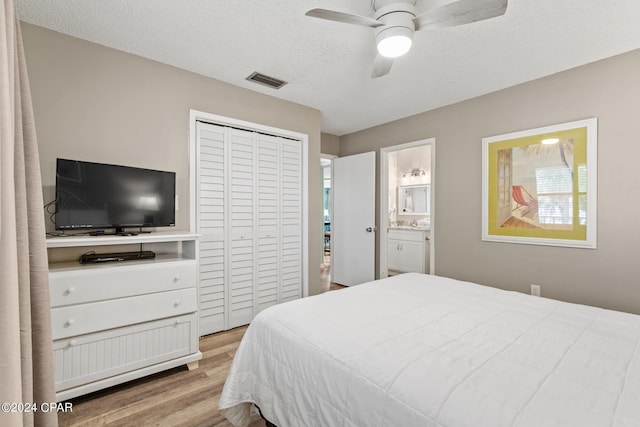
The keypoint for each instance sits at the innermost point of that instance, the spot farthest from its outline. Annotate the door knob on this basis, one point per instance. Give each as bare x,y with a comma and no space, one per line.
372,229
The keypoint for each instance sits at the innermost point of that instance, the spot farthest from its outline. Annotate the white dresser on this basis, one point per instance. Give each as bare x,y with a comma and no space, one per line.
408,250
114,322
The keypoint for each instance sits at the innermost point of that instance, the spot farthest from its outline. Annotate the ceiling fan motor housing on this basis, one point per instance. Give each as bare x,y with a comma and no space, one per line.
398,21
379,4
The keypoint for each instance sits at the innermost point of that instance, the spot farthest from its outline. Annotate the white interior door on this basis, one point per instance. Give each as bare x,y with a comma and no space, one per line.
353,222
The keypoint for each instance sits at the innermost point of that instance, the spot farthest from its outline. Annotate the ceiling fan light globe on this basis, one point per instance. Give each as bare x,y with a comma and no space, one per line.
394,46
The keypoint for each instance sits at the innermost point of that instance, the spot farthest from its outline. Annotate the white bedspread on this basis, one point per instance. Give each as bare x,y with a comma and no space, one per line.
419,350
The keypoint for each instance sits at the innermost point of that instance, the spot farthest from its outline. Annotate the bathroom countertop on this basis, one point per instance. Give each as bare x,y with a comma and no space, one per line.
410,227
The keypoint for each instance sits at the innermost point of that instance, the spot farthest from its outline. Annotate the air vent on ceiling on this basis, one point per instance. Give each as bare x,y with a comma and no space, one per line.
266,80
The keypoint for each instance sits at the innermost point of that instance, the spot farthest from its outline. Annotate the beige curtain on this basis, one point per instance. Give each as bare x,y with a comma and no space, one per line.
26,354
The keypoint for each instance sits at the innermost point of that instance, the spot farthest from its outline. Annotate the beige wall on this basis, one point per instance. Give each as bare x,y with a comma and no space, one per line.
329,144
609,90
98,104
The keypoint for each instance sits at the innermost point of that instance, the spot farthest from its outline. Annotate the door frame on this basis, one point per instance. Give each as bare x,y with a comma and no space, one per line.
330,157
384,202
195,116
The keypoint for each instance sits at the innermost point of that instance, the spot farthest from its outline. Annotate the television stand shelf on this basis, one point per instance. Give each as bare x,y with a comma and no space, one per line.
114,239
115,322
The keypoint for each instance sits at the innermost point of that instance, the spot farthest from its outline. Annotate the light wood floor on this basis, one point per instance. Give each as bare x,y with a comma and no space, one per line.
177,397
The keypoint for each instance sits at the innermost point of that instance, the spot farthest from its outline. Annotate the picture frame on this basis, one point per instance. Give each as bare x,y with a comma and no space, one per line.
539,186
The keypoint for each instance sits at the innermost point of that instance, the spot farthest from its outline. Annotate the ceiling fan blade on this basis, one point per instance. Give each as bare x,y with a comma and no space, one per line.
459,13
381,66
348,18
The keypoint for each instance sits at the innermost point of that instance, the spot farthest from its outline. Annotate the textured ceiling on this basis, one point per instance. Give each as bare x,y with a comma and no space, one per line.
328,65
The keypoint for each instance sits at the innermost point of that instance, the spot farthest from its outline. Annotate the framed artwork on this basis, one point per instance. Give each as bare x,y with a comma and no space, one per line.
539,186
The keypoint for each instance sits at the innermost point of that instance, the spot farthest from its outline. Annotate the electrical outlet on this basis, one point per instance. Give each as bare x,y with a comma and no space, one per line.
535,290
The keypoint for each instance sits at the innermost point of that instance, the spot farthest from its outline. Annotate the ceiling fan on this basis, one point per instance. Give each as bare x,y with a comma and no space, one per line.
395,21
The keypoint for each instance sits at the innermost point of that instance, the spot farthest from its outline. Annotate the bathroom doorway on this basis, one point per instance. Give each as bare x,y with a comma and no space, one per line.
407,195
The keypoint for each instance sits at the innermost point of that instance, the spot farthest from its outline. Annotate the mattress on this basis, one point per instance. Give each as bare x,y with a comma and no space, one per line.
421,350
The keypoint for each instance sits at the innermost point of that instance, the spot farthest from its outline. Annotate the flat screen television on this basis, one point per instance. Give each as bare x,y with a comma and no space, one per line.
102,196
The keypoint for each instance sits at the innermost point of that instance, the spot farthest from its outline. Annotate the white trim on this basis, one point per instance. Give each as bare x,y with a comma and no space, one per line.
383,229
384,205
305,212
432,215
194,116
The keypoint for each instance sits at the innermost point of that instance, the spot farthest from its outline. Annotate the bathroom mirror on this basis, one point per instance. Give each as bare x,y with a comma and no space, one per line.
414,200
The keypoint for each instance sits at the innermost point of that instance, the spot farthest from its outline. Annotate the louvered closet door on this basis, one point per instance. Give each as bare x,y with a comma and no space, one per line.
250,219
242,216
211,226
267,268
291,222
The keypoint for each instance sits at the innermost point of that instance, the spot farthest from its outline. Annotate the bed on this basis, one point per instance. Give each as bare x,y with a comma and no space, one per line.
421,350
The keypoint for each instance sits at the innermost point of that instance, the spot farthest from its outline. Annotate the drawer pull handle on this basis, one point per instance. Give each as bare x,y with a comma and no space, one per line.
176,304
177,322
69,323
176,279
72,343
69,291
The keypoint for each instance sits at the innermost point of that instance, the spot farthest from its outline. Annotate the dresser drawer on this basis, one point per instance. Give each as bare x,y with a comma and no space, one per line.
103,282
99,316
92,357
